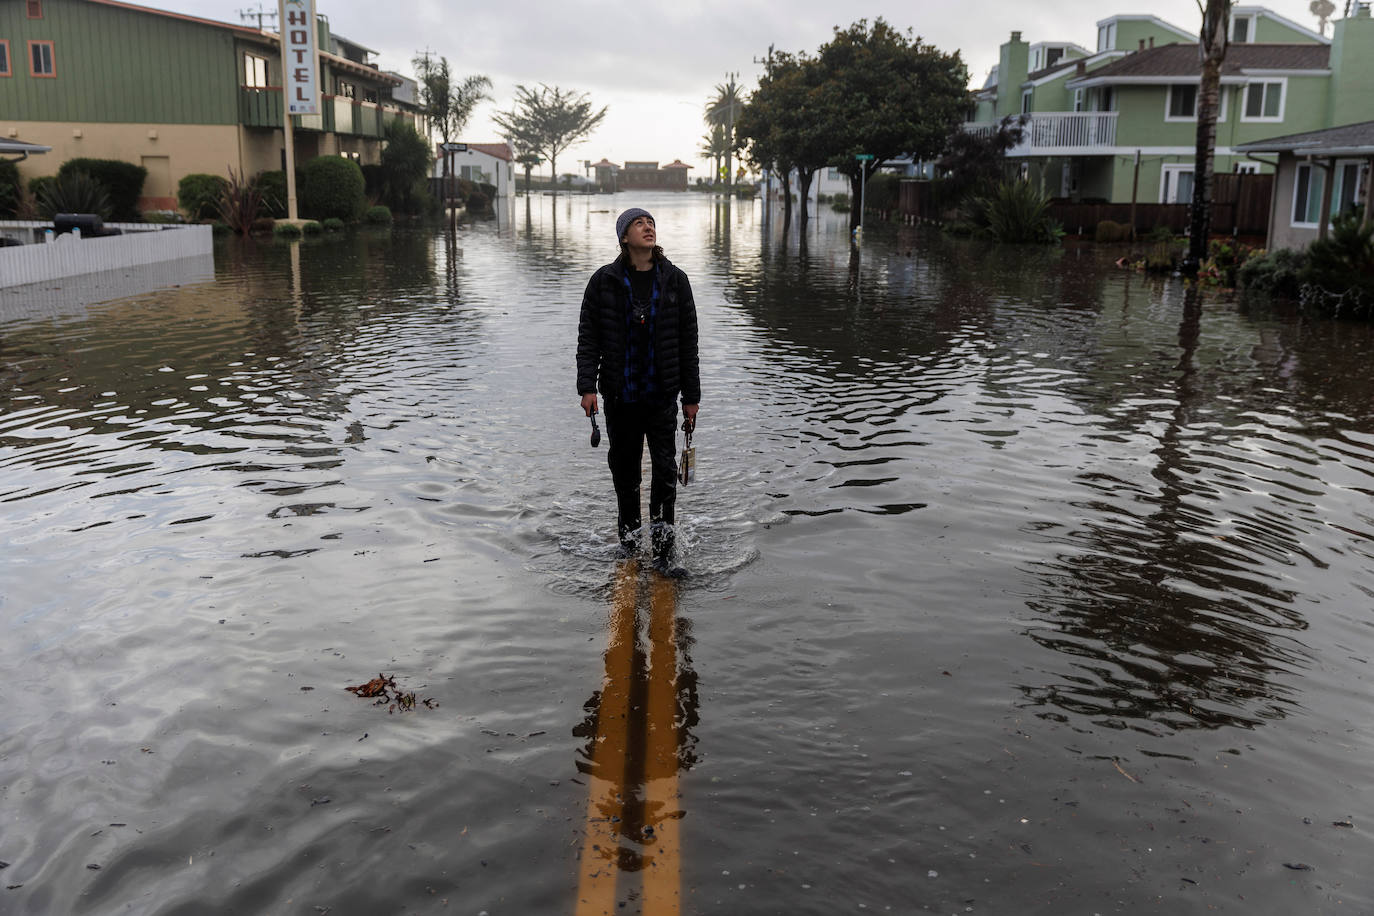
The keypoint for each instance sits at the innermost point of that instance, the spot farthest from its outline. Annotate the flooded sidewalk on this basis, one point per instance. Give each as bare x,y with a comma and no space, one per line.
1018,583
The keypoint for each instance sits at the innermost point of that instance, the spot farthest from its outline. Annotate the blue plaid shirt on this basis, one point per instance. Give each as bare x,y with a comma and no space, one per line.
640,382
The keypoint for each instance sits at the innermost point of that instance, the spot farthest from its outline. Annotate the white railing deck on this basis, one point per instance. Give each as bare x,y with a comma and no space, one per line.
1049,133
67,256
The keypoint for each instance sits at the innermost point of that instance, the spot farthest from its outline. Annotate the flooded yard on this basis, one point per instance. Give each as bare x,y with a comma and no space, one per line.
1018,584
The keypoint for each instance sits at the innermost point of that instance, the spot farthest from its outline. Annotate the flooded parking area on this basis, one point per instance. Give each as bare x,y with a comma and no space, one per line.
1018,584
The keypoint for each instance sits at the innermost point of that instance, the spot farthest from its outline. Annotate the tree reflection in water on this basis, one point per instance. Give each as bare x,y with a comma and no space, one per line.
639,737
1169,626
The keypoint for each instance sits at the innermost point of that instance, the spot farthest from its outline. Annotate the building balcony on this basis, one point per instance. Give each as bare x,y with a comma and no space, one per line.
263,108
1061,133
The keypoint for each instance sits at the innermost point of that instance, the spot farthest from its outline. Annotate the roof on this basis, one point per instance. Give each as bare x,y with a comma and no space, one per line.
1237,11
1173,61
1348,139
494,150
19,146
605,164
1155,20
183,17
678,164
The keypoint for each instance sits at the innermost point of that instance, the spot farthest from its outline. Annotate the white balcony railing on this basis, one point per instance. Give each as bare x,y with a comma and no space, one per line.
1050,133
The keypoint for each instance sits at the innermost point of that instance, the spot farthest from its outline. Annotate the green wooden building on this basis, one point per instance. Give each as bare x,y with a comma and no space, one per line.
178,94
1092,116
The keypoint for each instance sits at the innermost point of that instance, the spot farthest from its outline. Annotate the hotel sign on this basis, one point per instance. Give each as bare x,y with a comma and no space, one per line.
298,57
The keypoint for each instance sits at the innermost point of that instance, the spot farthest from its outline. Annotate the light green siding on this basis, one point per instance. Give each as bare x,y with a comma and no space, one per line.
1131,32
1269,31
1352,72
170,71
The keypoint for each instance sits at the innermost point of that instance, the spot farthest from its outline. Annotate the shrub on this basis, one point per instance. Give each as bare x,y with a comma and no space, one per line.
333,186
1224,259
406,159
333,224
882,191
378,215
1273,273
1160,234
73,192
263,224
478,202
272,189
311,227
122,181
9,188
163,216
1015,211
198,195
287,231
220,228
1339,275
1108,231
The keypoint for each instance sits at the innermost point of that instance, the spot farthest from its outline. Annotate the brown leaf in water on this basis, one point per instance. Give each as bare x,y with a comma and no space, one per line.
376,687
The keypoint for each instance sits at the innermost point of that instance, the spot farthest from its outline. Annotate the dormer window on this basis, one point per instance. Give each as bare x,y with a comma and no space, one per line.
1106,36
1242,30
1053,56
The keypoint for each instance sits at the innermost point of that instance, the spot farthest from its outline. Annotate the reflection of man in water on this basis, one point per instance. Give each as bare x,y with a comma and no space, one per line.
637,342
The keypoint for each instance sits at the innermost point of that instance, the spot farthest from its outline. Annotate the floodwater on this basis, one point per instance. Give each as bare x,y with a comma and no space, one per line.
1019,584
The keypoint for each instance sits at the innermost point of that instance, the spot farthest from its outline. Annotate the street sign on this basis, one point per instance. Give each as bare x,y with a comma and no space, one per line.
863,157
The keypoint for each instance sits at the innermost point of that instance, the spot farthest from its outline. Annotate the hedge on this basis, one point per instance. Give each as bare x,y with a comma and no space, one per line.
198,195
333,186
122,181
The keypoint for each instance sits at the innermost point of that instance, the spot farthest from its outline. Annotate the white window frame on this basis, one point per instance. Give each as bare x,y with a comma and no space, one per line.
1174,168
252,63
1249,30
1281,82
1106,37
1078,100
1169,102
1026,100
1247,168
1341,165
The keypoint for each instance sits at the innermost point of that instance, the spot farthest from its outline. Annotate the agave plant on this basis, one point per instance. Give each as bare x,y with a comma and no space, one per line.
1016,211
75,192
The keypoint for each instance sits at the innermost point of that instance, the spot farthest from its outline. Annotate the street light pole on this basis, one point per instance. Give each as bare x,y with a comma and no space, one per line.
864,159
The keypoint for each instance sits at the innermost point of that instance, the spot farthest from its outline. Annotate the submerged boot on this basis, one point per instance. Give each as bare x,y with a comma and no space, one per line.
663,538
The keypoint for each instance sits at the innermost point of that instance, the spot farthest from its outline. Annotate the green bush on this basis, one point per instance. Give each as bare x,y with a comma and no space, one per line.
333,224
478,203
287,231
1339,275
333,186
198,195
882,192
122,181
72,192
1160,234
272,188
312,227
163,216
406,159
1273,273
377,216
220,228
1108,231
1016,212
9,188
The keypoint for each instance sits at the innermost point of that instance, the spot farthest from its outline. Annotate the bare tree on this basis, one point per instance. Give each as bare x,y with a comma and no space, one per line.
1211,49
548,120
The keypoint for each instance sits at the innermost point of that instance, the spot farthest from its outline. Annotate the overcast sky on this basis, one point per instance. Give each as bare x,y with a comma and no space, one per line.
655,64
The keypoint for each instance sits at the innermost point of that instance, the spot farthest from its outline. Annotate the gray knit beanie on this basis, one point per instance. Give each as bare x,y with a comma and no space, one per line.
622,222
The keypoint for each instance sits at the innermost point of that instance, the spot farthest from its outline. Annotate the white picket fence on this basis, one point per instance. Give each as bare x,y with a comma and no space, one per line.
68,256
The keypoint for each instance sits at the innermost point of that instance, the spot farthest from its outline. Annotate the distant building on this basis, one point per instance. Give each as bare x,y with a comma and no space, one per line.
642,176
485,163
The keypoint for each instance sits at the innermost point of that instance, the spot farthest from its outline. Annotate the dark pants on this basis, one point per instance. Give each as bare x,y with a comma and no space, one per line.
628,426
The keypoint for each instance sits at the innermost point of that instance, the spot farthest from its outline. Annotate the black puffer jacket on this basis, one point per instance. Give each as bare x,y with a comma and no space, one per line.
601,335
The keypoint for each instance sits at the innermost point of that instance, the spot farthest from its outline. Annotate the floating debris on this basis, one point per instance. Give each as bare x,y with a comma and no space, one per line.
383,688
1297,866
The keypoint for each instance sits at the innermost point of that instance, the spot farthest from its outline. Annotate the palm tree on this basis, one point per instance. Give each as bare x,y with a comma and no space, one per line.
715,146
722,111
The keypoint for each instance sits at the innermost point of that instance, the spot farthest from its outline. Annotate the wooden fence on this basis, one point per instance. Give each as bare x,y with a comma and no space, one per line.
1240,206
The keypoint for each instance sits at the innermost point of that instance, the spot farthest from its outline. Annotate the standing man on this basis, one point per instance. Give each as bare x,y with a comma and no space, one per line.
637,343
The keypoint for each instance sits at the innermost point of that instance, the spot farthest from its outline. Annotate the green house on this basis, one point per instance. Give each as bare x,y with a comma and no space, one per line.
1092,118
178,94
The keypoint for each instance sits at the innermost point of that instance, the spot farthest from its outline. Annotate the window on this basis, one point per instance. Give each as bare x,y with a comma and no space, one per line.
4,57
35,9
834,174
1247,168
255,71
1078,100
1264,101
1106,37
1103,99
1176,184
1242,29
370,95
345,90
1053,56
41,59
1182,103
1310,182
1026,102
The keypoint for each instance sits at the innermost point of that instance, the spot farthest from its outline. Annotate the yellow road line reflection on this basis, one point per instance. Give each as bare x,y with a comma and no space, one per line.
633,810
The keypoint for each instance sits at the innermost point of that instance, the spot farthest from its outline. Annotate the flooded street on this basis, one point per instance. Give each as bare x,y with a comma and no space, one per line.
1018,584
